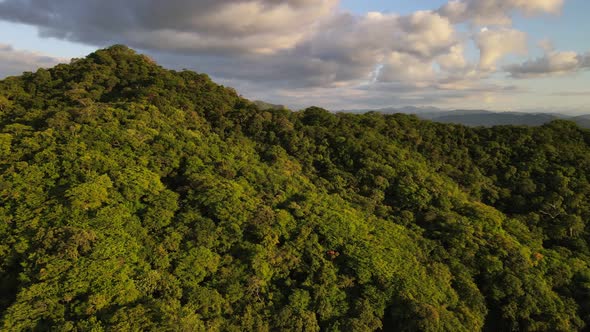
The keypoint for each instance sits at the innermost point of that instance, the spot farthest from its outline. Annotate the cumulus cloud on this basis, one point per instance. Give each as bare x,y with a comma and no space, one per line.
304,42
179,25
422,34
14,62
293,42
494,44
298,45
496,12
454,60
402,67
347,49
552,63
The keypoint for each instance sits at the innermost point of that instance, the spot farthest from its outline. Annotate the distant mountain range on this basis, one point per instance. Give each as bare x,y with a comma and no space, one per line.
482,117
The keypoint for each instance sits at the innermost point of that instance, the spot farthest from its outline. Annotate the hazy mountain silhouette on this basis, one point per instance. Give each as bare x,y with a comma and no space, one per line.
482,117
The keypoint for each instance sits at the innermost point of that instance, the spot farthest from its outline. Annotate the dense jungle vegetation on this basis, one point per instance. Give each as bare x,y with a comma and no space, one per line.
135,198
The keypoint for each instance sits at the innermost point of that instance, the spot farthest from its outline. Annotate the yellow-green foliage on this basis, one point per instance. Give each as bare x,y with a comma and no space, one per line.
133,198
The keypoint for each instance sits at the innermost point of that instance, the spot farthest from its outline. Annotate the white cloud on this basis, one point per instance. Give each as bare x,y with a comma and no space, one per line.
301,45
454,60
300,42
14,62
496,12
403,67
176,25
552,63
345,50
494,44
426,33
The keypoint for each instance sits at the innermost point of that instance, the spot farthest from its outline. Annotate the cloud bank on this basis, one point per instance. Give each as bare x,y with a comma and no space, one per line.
14,62
309,45
496,12
550,64
214,26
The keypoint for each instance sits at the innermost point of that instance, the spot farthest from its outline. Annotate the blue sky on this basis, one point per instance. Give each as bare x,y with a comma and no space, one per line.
320,56
400,7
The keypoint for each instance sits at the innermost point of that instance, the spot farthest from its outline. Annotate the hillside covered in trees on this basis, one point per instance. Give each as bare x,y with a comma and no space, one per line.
134,198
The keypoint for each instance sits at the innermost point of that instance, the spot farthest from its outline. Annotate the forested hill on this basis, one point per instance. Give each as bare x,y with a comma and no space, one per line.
137,198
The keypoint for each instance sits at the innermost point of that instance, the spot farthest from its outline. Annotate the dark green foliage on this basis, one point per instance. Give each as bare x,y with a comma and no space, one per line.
137,198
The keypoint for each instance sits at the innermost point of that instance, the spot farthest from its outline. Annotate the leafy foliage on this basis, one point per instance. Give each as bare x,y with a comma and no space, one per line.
138,198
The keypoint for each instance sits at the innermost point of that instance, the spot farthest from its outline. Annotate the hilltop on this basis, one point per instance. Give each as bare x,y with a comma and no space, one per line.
133,197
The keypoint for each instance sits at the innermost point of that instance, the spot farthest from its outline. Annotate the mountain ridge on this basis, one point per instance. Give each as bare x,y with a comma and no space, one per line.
139,198
481,117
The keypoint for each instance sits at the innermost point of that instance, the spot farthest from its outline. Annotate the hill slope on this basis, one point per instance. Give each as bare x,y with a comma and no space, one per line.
137,198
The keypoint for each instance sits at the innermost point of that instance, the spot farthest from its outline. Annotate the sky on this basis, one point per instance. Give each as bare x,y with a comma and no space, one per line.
504,55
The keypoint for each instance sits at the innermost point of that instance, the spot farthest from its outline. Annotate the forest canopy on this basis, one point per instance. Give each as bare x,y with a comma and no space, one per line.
138,198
